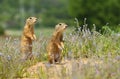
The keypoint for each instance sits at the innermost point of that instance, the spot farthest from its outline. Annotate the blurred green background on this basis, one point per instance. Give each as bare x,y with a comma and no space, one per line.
13,13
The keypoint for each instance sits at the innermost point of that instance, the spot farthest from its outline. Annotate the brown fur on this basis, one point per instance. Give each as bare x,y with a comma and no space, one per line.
27,37
55,46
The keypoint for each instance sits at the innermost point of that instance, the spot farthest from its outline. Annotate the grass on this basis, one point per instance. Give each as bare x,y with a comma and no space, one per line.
96,47
38,31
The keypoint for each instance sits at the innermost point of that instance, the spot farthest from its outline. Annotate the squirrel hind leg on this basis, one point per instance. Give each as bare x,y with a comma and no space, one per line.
51,59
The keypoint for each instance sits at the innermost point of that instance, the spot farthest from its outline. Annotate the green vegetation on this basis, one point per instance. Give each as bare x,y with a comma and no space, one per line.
105,12
14,13
99,12
2,31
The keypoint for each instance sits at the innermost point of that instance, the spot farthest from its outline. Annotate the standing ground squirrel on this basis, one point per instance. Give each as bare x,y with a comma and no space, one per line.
55,45
27,37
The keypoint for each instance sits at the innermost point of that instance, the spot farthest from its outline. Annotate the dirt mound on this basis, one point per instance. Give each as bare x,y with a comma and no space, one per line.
44,70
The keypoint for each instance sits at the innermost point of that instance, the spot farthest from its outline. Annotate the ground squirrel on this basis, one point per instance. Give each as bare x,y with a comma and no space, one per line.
27,37
55,45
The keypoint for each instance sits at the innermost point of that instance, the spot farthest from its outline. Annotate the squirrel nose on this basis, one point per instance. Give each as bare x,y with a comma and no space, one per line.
66,26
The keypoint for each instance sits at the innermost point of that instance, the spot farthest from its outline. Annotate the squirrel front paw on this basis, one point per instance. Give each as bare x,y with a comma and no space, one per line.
33,37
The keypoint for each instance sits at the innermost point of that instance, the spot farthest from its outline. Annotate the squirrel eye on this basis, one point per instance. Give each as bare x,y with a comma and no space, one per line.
60,24
30,18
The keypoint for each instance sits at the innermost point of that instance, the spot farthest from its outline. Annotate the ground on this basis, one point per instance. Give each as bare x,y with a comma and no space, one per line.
59,71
